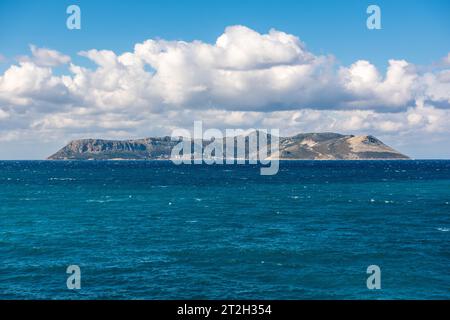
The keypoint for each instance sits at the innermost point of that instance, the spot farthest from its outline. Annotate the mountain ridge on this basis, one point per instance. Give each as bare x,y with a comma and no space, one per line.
302,146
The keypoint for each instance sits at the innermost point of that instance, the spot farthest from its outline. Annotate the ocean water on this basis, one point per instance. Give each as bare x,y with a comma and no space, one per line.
153,230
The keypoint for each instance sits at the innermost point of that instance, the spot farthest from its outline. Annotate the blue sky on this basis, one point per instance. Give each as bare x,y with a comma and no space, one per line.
418,31
126,73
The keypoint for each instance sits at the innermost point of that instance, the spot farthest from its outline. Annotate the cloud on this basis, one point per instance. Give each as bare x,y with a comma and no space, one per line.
45,57
396,90
3,114
244,79
242,71
30,85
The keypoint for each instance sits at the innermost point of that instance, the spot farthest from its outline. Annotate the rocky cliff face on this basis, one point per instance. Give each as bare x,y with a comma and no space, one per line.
98,149
306,146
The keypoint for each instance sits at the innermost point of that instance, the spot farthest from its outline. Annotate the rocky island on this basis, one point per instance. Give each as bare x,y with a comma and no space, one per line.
304,146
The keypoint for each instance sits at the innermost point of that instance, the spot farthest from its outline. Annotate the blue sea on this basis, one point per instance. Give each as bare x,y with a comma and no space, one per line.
154,230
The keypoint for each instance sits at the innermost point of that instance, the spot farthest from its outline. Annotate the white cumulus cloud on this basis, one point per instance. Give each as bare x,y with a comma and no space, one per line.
45,57
244,79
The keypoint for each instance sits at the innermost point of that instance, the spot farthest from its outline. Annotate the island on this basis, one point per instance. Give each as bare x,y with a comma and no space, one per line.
303,146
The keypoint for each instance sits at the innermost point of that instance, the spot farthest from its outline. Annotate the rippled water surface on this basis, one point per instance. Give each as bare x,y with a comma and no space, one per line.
153,230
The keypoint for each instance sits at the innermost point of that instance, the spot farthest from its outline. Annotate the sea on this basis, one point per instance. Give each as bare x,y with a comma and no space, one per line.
156,230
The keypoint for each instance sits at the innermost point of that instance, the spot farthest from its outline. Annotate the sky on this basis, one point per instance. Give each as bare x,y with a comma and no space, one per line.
143,68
